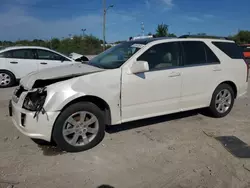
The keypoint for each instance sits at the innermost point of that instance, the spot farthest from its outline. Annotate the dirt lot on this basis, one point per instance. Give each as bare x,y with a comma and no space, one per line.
170,151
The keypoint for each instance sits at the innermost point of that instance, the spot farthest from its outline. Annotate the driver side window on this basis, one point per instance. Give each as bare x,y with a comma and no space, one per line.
162,56
47,55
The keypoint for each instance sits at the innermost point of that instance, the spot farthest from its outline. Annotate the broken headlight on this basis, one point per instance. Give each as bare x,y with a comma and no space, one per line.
34,101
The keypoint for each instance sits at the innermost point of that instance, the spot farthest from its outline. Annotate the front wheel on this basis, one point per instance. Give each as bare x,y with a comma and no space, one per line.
222,101
79,127
7,79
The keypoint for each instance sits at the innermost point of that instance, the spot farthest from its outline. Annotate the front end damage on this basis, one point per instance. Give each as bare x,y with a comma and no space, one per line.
35,84
35,100
28,114
32,100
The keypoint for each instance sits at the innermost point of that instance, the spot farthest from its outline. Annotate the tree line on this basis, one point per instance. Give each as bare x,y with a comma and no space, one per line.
90,44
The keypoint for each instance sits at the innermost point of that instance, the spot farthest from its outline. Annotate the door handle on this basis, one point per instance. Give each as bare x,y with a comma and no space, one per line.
216,69
174,74
43,63
14,62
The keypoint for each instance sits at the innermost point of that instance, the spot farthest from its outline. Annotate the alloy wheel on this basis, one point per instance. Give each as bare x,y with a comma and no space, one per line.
5,79
223,101
80,128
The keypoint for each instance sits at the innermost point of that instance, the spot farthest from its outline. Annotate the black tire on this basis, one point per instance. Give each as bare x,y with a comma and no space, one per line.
11,76
40,142
74,108
212,108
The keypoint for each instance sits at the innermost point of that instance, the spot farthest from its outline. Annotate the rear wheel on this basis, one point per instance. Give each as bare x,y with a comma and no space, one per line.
79,127
222,101
7,79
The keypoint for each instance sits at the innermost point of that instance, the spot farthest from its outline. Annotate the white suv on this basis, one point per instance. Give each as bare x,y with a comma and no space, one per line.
18,61
71,105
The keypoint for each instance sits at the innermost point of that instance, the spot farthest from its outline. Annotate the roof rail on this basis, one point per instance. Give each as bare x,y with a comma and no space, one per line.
204,36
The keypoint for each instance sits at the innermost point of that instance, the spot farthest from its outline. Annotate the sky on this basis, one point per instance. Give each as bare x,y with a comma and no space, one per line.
44,19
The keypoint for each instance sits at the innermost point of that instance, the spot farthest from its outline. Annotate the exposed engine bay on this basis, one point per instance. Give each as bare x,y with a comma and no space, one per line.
52,75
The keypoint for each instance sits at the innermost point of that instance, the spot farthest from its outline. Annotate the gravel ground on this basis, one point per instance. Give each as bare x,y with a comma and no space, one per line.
170,151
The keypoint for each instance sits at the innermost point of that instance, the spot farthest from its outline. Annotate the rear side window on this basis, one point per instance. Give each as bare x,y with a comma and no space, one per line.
231,49
20,54
194,53
5,54
198,53
211,57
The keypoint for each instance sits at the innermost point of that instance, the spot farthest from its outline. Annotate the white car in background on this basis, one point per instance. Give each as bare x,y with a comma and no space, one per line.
17,62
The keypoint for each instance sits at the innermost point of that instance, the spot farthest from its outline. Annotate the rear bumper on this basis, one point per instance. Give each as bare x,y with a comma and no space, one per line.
39,128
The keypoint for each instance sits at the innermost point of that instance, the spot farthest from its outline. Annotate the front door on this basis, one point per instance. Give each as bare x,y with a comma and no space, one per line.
48,59
157,91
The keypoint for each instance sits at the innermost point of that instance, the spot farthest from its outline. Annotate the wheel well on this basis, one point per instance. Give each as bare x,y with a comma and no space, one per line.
230,83
9,72
98,102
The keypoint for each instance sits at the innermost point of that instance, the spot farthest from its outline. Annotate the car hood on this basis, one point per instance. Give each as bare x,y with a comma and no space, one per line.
52,75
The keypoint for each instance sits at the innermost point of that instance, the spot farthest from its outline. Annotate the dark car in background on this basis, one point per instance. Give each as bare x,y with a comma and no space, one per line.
246,52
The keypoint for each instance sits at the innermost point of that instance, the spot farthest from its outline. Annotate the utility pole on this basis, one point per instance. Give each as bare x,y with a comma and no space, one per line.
50,42
104,22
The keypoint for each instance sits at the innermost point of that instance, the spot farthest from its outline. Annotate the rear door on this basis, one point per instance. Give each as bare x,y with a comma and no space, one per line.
21,62
49,59
199,74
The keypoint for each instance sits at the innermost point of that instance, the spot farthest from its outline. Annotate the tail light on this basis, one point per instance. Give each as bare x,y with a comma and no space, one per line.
247,69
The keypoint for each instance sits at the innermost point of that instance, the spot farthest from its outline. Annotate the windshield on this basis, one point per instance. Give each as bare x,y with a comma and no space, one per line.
116,56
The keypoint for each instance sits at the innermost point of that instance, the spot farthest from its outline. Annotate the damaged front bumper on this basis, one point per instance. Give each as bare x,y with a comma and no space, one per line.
29,122
39,128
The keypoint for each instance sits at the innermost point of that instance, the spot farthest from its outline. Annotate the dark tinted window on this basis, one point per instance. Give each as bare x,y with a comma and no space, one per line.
162,56
231,49
20,54
211,57
194,53
47,55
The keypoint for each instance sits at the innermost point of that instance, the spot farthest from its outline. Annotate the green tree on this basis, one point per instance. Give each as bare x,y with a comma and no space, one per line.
171,35
243,36
162,30
55,43
201,34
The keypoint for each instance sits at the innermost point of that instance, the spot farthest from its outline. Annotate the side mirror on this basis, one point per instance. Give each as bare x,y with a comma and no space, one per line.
139,67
